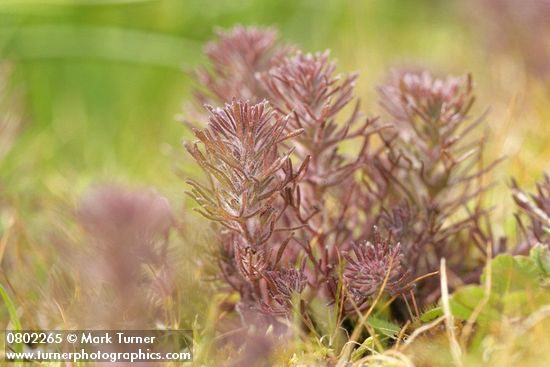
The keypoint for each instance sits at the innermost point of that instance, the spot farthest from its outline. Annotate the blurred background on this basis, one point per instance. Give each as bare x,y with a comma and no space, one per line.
102,80
99,83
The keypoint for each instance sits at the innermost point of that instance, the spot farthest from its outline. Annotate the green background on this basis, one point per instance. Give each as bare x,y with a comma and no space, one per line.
103,81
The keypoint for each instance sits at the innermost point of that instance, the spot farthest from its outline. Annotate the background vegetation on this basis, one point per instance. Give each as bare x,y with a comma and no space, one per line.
101,84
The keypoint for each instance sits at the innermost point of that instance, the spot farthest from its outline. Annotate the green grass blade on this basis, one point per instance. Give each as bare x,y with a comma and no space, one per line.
13,315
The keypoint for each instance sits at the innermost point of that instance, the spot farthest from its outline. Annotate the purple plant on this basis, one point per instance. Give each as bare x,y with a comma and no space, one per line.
368,266
235,57
283,286
127,233
537,209
245,170
239,152
117,217
435,173
422,184
306,87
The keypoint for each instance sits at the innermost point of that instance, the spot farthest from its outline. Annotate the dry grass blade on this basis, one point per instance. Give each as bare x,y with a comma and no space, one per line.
456,351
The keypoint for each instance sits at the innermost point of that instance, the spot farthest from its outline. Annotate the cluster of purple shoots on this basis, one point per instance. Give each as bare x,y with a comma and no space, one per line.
315,199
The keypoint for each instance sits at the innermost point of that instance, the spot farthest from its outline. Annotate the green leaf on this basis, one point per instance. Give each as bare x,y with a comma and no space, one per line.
515,291
431,314
385,327
541,256
510,273
363,349
12,311
465,300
